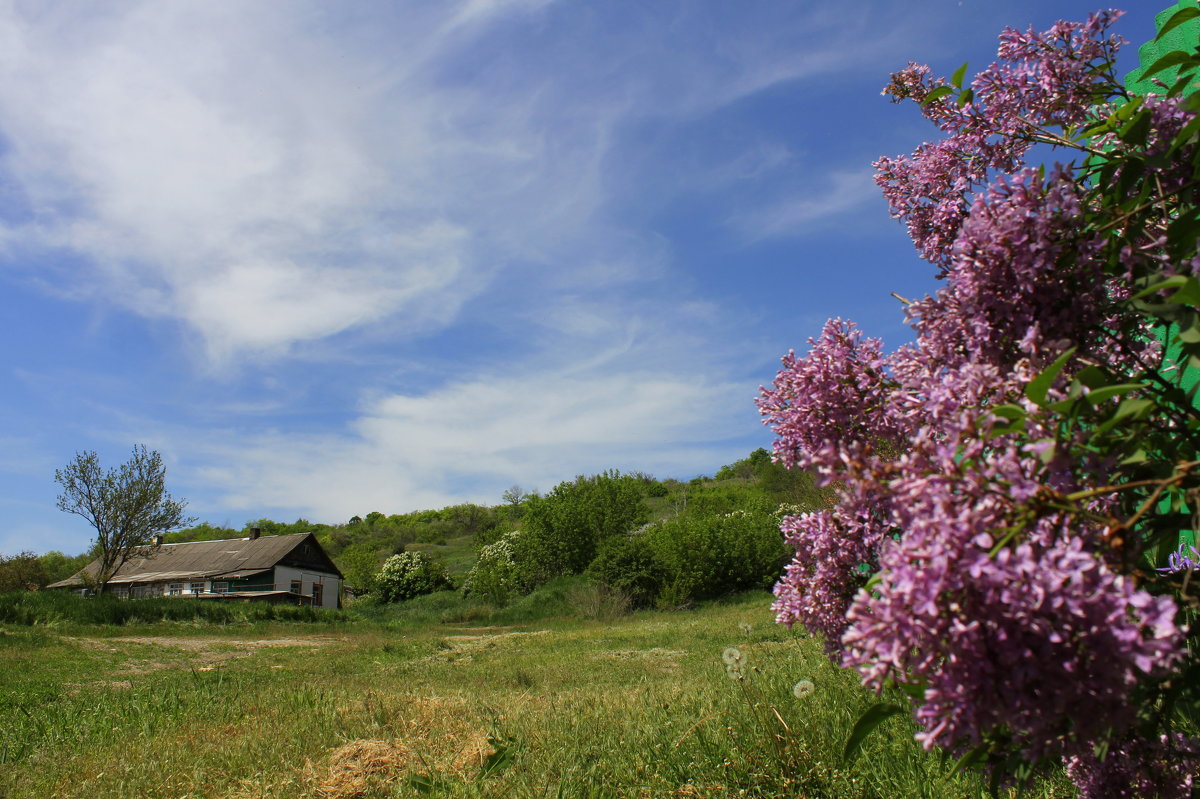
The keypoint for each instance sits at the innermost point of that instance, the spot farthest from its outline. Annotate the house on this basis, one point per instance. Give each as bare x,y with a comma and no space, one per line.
274,568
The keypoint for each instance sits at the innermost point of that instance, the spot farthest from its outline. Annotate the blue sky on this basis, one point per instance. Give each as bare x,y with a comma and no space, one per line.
332,258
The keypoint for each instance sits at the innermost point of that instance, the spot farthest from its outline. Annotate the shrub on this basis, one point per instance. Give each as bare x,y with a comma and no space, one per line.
563,530
628,564
707,556
410,574
495,576
598,601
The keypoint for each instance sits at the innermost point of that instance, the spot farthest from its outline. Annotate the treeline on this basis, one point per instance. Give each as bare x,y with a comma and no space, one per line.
658,542
663,544
26,571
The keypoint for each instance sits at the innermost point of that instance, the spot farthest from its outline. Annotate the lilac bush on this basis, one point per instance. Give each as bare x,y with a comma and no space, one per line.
1008,484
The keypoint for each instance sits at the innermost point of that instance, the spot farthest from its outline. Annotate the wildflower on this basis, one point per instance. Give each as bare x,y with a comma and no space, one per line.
732,655
735,671
803,688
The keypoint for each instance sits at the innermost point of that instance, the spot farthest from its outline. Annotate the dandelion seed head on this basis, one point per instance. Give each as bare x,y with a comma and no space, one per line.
803,688
732,655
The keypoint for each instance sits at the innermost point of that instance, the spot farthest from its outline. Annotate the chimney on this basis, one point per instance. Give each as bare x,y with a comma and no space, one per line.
255,532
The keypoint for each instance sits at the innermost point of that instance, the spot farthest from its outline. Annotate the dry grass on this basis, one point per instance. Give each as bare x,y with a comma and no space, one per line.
437,737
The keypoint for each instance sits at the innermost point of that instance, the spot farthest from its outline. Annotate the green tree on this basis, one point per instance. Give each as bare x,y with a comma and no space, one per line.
22,572
59,566
561,531
128,506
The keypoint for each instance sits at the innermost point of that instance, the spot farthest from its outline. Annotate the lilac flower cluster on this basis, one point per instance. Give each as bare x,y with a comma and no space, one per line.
1042,79
1165,768
1179,560
1007,606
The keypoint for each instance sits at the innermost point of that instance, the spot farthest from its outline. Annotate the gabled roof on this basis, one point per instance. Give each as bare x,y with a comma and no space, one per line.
228,558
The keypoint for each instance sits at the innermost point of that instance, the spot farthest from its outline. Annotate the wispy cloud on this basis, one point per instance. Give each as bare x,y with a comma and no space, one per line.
840,193
270,175
470,439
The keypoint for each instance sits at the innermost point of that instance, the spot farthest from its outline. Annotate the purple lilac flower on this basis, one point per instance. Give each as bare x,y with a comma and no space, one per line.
1179,560
1134,768
1014,615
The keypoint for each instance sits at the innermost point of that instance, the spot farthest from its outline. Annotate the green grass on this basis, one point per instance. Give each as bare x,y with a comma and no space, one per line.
379,704
457,553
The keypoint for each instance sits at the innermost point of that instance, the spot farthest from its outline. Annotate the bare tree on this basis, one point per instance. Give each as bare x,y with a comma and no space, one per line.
513,496
129,506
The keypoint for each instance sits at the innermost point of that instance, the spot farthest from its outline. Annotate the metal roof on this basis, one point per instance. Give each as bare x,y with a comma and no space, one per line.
229,558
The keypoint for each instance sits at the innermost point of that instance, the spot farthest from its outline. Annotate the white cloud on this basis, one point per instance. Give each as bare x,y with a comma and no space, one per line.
471,439
259,180
270,174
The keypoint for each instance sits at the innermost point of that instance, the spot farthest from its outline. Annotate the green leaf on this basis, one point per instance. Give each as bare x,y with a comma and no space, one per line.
1066,406
1092,377
1171,59
1137,129
1133,170
1174,281
499,760
1184,135
425,784
957,78
1107,392
1039,386
1009,412
966,96
1129,109
1014,416
937,94
971,758
866,724
1130,408
1182,234
1138,457
1178,18
1188,293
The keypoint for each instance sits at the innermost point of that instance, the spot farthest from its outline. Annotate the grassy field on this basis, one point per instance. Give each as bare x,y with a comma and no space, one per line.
403,704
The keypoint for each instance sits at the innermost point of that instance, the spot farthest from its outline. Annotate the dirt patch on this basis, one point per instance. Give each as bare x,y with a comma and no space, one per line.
663,659
205,653
641,654
463,648
197,643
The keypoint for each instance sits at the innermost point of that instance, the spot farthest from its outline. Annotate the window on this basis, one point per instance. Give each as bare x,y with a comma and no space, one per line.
297,587
197,588
220,588
175,589
318,590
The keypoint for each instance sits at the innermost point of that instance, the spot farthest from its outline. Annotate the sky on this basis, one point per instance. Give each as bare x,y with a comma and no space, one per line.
334,258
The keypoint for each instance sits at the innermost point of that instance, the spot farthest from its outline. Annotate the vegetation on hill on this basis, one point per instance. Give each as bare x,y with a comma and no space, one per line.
647,542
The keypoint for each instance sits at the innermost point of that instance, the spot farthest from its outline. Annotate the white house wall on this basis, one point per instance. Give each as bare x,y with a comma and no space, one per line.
285,575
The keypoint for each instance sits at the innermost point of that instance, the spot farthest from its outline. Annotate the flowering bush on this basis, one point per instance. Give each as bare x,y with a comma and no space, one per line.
495,575
410,574
1008,483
